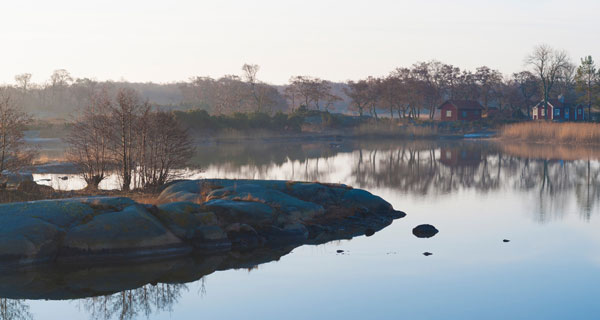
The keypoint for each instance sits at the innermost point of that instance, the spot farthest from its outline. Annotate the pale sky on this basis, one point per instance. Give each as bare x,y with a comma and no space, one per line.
165,41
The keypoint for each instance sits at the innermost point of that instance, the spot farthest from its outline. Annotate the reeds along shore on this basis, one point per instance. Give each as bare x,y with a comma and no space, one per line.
553,133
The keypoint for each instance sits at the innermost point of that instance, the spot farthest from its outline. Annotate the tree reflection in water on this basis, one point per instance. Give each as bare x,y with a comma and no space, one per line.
14,309
553,175
129,304
122,291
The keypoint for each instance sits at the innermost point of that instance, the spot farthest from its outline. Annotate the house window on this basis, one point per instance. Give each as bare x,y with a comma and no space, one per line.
448,113
579,111
566,113
464,114
557,112
543,112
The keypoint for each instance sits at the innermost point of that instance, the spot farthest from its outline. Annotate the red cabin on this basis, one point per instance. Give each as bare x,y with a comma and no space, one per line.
558,110
465,110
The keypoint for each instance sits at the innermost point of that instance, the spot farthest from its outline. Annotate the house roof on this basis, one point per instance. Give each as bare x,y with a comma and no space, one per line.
463,104
556,103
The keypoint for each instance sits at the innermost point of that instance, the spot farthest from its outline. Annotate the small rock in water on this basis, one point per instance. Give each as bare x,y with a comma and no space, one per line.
369,232
425,231
505,240
340,251
427,254
64,178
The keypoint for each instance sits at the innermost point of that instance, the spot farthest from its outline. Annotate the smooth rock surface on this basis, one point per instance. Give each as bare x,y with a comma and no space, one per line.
209,215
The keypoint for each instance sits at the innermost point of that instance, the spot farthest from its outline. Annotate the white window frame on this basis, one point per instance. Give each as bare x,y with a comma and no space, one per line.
448,113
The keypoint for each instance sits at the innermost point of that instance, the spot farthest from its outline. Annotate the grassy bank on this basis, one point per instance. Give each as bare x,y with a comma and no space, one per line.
553,133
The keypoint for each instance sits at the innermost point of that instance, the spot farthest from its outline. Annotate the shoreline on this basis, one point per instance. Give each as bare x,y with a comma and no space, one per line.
193,216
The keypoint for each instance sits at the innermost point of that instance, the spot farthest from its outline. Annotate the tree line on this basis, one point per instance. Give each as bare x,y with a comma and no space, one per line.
406,92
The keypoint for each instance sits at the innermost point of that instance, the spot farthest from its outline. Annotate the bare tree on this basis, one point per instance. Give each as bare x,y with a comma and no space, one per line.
488,81
528,87
311,91
230,95
125,113
90,140
14,153
547,64
250,71
391,89
165,146
361,95
23,81
60,78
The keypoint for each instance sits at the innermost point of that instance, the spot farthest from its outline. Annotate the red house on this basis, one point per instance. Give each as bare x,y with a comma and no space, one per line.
558,110
466,110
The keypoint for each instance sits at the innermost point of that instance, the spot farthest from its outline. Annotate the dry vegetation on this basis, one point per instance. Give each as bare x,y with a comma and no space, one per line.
387,129
546,151
553,133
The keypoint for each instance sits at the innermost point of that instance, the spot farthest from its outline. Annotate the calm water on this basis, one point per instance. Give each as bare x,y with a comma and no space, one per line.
545,202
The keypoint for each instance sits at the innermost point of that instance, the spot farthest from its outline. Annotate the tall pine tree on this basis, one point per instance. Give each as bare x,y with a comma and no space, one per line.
587,79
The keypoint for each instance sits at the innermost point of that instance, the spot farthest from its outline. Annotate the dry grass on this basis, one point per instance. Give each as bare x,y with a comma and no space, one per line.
387,129
553,133
43,158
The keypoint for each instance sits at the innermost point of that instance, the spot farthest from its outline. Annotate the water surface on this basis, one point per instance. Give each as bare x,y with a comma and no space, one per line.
476,193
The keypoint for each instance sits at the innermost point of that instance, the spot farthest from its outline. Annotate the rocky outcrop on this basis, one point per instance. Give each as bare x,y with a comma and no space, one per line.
205,216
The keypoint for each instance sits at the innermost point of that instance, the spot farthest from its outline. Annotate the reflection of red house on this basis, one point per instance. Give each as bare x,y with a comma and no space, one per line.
460,157
466,110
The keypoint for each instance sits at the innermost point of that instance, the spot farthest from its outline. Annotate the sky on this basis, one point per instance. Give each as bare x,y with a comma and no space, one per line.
168,41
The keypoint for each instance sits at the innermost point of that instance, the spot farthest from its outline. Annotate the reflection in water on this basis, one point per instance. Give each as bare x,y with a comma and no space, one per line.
11,309
431,169
125,291
129,304
422,169
551,183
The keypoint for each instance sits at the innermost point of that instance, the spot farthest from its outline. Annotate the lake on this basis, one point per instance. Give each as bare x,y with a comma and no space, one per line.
544,199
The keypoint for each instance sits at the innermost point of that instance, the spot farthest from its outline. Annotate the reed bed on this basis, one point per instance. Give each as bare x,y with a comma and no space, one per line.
553,133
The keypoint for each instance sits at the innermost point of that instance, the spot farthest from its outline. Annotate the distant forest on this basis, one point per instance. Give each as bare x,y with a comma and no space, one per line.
406,92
